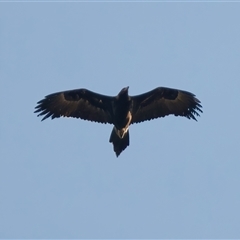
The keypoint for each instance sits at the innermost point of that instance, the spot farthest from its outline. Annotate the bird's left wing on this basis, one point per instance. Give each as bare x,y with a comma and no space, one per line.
79,103
163,101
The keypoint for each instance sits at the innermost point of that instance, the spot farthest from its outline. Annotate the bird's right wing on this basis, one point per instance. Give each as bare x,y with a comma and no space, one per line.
163,101
79,103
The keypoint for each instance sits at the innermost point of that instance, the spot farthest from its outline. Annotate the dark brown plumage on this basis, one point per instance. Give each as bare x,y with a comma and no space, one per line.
121,111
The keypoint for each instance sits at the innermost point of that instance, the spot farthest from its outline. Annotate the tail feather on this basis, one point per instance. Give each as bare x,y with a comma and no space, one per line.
119,144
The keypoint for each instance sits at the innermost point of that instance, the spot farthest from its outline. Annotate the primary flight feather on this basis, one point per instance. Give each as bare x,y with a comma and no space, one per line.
121,110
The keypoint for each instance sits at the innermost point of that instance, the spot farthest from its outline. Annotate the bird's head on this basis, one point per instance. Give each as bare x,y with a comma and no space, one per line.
124,91
123,95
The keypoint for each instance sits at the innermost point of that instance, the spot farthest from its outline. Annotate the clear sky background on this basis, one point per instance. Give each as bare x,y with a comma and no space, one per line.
178,179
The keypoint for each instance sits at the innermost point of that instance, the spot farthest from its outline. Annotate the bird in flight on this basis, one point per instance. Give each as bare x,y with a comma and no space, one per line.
121,110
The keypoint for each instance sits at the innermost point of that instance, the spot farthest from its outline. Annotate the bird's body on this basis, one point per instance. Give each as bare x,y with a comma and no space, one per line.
121,111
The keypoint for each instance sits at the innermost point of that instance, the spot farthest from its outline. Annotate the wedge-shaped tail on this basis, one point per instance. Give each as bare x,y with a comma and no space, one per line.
119,144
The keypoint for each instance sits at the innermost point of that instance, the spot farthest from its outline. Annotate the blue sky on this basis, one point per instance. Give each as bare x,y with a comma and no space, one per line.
178,179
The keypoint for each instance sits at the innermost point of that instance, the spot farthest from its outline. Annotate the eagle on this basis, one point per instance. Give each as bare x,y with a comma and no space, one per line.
121,110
